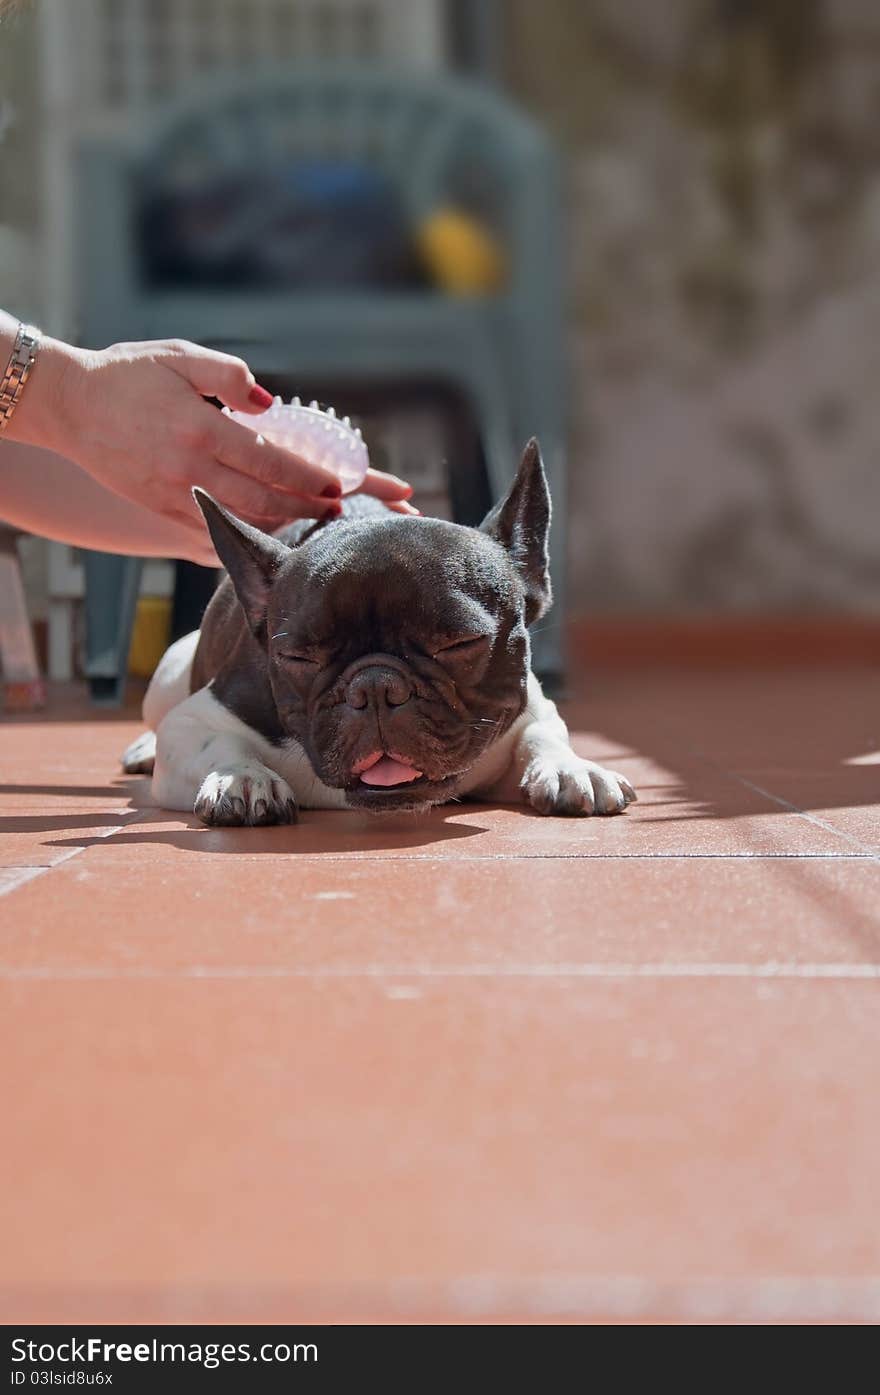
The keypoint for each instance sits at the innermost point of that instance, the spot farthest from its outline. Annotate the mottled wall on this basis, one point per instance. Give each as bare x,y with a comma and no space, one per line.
723,162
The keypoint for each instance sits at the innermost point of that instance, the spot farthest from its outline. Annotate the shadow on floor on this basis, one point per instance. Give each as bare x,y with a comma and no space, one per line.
732,746
338,832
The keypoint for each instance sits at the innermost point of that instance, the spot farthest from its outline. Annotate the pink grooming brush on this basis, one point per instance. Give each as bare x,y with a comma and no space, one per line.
319,437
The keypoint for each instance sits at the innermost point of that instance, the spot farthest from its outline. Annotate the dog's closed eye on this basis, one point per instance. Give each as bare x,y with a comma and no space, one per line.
465,647
289,658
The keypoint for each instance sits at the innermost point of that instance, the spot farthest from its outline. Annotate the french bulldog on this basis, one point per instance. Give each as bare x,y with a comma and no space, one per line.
374,662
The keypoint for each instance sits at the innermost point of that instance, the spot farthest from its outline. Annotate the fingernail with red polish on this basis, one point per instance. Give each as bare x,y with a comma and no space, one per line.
260,397
332,512
333,491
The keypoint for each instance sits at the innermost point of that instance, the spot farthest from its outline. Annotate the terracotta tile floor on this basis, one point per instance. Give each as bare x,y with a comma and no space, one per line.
476,1066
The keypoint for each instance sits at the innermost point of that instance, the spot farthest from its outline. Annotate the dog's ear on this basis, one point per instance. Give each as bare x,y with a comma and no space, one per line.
521,524
251,558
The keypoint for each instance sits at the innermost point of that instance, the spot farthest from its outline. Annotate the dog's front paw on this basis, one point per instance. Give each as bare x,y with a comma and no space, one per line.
140,757
245,794
559,782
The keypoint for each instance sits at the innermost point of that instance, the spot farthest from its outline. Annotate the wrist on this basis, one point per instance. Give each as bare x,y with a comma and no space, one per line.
46,413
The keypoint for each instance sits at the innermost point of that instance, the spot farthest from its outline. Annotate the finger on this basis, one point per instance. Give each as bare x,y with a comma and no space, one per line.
219,375
402,506
254,502
245,451
384,486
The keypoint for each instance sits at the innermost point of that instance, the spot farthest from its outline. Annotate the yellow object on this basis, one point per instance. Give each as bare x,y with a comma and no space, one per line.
461,254
150,636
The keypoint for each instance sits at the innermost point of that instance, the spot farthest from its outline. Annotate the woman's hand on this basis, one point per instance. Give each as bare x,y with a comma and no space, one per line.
134,417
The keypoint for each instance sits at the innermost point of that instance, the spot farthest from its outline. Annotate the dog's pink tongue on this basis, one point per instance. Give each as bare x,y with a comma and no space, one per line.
387,771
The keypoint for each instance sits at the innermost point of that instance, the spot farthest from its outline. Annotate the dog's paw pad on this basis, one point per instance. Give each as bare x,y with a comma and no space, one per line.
249,795
140,757
567,785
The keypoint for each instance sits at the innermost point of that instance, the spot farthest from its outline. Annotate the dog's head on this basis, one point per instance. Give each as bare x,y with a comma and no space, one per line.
397,647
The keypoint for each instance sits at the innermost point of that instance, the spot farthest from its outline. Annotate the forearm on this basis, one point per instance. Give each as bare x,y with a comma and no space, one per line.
41,492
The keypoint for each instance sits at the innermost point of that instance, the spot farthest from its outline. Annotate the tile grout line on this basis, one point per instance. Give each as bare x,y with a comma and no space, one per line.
864,850
768,969
354,856
32,874
482,1295
759,1298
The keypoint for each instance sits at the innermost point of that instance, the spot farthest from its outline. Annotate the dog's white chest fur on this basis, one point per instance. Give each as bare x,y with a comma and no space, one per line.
206,759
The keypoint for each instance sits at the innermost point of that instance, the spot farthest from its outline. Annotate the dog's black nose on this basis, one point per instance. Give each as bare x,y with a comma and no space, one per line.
377,686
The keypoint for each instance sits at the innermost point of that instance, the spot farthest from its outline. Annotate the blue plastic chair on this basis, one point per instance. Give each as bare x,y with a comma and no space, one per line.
502,352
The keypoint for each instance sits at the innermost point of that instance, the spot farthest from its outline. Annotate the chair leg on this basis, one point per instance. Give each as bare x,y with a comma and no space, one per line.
112,586
23,688
60,661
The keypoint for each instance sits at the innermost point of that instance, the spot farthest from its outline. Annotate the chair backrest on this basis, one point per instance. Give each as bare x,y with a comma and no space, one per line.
440,140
